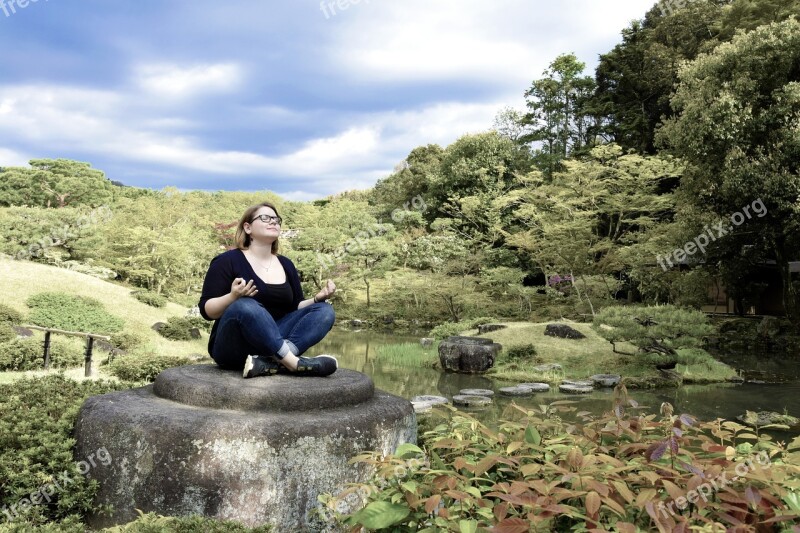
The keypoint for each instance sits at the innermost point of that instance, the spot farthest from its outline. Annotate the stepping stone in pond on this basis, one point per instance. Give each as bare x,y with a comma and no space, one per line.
471,401
535,387
606,380
576,387
518,391
477,392
578,382
423,404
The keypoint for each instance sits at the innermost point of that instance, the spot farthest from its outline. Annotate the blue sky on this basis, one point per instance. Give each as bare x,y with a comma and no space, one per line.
285,96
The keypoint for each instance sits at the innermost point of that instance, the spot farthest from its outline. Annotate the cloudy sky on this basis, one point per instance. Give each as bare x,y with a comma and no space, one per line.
302,98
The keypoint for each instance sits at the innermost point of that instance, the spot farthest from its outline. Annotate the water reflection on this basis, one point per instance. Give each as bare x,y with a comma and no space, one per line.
356,350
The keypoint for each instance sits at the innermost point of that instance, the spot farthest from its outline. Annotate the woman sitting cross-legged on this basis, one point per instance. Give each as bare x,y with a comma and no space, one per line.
263,324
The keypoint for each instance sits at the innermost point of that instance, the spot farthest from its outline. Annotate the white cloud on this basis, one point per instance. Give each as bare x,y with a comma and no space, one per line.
505,41
12,158
177,81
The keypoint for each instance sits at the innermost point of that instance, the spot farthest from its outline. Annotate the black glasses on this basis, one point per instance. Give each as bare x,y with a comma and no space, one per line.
266,219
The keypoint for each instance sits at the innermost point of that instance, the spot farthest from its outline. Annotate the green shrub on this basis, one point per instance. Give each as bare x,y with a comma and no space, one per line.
126,340
449,329
28,354
150,298
37,416
139,368
480,321
178,328
10,315
152,523
72,313
521,351
7,332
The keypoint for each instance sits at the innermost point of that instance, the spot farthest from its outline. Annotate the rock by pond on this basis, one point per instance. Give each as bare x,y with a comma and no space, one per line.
477,392
517,391
426,403
576,386
536,387
550,367
563,331
468,400
426,342
468,355
606,380
201,440
765,418
488,328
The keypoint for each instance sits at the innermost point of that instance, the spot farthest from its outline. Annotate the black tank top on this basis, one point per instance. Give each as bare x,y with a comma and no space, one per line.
279,299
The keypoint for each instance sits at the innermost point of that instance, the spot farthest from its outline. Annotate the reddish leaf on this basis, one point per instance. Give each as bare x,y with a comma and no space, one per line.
512,525
593,503
655,451
432,503
752,495
500,511
625,527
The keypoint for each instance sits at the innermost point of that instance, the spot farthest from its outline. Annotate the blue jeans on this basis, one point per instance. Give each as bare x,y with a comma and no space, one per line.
246,328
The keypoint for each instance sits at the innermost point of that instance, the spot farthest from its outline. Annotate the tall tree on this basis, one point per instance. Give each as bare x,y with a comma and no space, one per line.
558,115
737,127
55,183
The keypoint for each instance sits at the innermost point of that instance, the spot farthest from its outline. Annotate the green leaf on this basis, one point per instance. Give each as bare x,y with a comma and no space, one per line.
379,515
532,436
468,526
408,450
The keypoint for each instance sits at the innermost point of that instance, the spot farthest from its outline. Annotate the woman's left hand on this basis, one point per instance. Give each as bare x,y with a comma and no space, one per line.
326,292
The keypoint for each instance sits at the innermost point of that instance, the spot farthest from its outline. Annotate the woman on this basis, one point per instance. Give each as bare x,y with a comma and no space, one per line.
262,322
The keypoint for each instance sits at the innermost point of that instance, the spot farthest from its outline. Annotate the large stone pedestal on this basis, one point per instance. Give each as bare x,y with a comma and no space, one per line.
205,441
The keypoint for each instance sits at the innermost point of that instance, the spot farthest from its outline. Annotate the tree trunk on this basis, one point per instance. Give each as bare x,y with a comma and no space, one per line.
790,302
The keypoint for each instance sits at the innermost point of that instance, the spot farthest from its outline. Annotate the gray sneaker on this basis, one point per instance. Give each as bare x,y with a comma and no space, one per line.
260,366
321,365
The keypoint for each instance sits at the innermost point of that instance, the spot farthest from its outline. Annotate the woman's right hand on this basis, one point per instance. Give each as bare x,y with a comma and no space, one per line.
239,288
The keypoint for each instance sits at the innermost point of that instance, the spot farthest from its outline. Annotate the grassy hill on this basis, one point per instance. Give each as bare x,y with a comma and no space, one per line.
21,279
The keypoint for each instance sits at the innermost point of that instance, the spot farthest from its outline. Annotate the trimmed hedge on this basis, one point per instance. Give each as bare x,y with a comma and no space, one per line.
10,316
150,298
7,332
126,340
27,354
144,368
178,328
72,313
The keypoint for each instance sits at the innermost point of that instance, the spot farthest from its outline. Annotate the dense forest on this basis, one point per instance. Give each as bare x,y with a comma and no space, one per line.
672,169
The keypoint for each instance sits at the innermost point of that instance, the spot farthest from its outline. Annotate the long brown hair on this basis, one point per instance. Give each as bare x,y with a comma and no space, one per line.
242,239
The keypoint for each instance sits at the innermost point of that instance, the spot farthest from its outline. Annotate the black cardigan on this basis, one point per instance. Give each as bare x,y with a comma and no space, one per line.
233,264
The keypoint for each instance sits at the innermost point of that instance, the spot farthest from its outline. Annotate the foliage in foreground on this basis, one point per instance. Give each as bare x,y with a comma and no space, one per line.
622,471
36,420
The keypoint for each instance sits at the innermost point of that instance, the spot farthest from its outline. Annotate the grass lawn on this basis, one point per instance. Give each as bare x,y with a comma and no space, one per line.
22,279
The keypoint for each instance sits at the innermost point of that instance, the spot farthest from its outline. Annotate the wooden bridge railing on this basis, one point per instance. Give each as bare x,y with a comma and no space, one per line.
90,337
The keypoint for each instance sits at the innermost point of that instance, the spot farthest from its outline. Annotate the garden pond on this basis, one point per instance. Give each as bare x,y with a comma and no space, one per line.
772,384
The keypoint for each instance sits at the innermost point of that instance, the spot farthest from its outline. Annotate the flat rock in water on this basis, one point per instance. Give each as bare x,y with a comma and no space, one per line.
606,380
471,401
536,387
477,392
578,382
425,403
576,387
563,331
516,391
